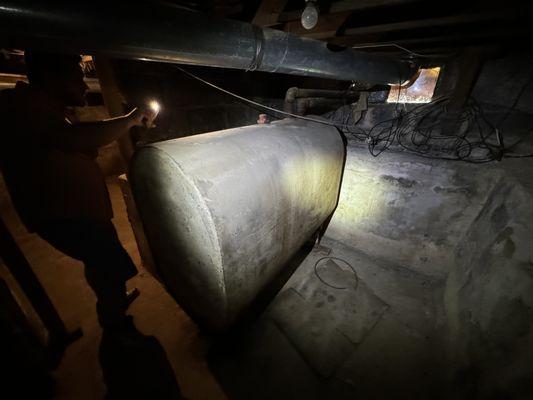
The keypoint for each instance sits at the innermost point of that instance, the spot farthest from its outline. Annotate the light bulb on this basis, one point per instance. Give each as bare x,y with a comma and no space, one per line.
310,15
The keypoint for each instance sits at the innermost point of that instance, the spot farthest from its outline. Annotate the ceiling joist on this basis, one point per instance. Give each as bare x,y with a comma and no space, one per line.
268,12
427,23
343,6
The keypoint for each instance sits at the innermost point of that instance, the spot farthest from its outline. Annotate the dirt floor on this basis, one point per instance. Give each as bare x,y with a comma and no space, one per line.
79,376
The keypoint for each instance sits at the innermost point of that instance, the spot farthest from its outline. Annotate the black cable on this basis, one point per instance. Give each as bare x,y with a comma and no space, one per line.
337,259
518,155
407,129
417,131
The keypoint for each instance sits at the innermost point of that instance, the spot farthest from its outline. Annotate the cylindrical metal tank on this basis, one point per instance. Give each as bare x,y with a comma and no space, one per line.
225,211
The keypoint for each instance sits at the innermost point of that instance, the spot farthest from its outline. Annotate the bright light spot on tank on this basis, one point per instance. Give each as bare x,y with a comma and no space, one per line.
315,180
310,15
363,199
155,106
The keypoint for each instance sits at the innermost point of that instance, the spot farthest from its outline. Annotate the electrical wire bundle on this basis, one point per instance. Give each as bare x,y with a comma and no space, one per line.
429,130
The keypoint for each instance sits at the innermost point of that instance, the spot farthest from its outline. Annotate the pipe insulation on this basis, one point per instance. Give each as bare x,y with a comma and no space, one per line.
166,33
224,212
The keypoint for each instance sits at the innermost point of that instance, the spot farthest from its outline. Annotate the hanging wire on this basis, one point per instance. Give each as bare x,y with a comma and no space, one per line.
377,45
418,130
272,109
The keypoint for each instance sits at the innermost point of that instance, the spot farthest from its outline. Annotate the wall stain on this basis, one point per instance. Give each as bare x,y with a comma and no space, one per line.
399,181
509,247
499,217
452,190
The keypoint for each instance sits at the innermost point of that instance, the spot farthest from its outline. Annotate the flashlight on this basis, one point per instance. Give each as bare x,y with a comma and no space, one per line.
155,106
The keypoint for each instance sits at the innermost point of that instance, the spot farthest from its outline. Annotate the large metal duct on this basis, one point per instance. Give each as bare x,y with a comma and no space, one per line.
170,34
225,211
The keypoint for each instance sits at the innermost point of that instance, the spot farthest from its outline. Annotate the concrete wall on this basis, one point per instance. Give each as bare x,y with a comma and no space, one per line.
472,227
489,294
408,209
507,80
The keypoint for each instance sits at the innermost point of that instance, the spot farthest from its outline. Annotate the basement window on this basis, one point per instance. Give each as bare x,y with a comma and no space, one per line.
418,90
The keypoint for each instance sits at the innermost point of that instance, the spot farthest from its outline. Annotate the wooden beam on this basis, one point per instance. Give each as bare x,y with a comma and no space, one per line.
113,100
8,81
350,5
268,12
462,79
427,23
326,27
21,270
460,40
227,9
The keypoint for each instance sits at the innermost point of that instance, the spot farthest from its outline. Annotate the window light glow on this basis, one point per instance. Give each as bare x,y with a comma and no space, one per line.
418,90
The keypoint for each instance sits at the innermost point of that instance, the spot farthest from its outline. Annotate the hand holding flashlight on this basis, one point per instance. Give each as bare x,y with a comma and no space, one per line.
145,115
155,106
151,113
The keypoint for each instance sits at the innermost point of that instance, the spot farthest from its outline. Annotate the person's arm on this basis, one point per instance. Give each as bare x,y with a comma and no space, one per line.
88,136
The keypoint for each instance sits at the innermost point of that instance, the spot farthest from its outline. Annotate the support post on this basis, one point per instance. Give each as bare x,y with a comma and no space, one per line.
462,79
113,100
19,267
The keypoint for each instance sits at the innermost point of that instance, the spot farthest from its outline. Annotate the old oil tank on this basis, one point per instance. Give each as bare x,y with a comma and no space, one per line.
225,211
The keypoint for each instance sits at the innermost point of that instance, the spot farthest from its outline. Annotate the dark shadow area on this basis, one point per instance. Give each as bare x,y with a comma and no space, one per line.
135,366
333,336
265,296
325,224
260,364
25,362
272,369
232,354
256,358
335,48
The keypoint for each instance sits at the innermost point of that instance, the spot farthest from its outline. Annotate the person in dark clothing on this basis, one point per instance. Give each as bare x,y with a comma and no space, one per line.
56,186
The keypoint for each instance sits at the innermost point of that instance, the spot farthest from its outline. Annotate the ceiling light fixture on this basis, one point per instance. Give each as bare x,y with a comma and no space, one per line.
310,15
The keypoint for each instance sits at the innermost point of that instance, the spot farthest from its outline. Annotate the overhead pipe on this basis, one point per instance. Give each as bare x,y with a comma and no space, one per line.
164,33
300,101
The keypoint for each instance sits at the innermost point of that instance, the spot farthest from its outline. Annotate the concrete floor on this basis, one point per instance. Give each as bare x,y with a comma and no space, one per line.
359,328
355,328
